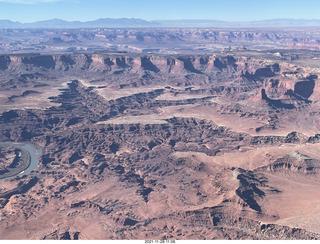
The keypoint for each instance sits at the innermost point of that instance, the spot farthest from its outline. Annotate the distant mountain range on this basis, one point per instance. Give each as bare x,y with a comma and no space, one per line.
262,23
99,23
140,23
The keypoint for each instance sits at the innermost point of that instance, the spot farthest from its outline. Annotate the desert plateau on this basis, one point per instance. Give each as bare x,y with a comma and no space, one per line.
160,133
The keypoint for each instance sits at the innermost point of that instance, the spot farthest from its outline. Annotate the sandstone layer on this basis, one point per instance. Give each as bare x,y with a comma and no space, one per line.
145,146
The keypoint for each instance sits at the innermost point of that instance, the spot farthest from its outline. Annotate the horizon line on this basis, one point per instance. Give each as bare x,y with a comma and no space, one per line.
155,20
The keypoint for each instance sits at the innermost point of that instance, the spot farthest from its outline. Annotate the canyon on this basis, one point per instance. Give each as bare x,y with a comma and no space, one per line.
156,40
174,145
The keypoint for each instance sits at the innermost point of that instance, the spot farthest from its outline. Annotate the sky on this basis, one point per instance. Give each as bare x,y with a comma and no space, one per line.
26,11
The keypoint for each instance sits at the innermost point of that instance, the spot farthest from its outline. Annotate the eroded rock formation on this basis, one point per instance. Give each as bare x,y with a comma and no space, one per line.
160,146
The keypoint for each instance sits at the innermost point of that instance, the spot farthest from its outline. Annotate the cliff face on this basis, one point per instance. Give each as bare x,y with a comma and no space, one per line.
169,41
112,63
154,63
251,67
160,146
279,80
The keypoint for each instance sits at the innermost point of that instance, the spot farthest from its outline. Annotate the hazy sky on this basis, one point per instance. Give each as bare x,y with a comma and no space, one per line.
227,10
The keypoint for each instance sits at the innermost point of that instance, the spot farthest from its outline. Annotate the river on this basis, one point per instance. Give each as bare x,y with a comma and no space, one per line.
34,152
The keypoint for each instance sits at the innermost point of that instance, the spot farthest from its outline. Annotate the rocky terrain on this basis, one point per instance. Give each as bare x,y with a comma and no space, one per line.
8,157
13,160
156,40
163,146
